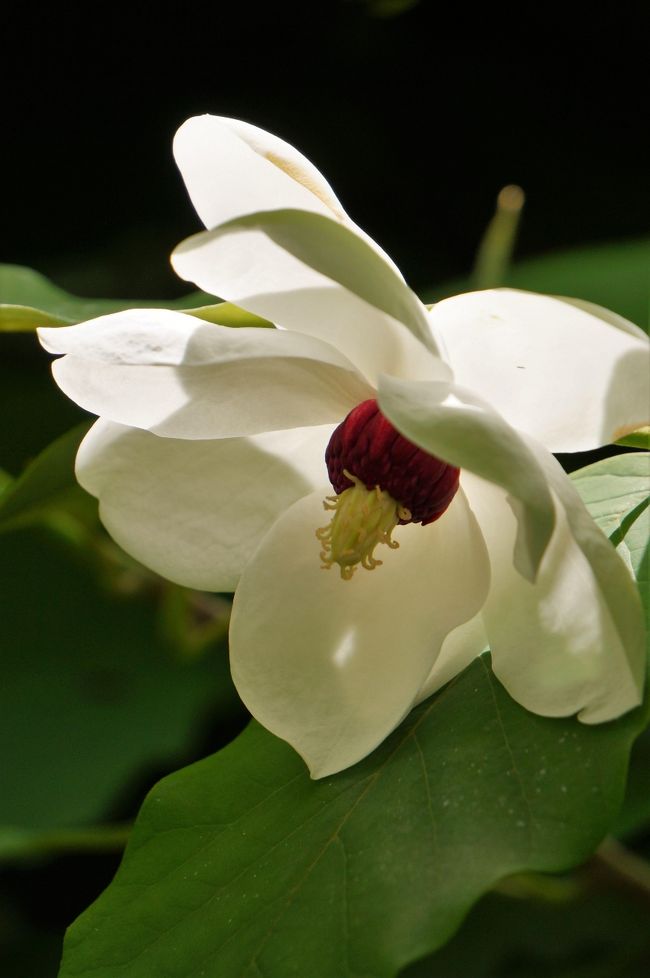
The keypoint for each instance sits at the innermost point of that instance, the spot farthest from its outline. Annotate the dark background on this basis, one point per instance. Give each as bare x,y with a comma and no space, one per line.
417,125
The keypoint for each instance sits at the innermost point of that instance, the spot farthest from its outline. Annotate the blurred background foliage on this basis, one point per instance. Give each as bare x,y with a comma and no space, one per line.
112,677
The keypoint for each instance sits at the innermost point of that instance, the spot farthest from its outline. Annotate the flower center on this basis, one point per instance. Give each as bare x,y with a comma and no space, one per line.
381,479
362,519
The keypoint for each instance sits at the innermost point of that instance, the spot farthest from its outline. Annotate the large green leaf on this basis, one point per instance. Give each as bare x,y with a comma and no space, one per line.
634,817
34,411
633,544
47,481
242,866
639,439
614,487
28,300
617,493
93,693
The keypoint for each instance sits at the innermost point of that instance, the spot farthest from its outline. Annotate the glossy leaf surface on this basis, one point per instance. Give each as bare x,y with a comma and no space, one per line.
242,866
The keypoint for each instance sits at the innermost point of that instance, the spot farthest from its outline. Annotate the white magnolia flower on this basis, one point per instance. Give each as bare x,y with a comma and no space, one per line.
208,459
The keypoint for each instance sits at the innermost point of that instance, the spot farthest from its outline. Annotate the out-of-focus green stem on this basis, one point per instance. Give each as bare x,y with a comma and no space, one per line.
495,250
24,844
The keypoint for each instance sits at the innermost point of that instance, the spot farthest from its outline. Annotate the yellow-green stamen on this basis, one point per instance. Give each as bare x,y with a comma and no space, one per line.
362,519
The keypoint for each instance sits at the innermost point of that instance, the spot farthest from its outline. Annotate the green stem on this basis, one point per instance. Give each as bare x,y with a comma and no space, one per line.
25,844
495,250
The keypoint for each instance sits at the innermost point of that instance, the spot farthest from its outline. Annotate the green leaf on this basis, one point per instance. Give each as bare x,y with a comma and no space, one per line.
631,541
637,439
612,275
240,866
616,492
226,314
614,487
25,319
335,251
634,817
44,483
29,300
93,694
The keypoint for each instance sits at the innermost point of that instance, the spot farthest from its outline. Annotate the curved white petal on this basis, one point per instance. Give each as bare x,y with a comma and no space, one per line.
182,378
618,590
461,647
249,268
607,315
194,511
452,423
570,374
330,665
572,642
231,168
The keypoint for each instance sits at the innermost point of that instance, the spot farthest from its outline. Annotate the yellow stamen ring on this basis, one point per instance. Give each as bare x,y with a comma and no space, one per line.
363,518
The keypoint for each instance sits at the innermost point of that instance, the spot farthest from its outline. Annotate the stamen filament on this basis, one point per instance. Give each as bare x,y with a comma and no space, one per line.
363,518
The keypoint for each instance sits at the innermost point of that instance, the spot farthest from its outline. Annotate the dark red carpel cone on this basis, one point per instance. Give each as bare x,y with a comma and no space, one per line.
366,445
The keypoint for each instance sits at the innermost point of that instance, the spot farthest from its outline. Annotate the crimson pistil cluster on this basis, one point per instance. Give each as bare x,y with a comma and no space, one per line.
368,446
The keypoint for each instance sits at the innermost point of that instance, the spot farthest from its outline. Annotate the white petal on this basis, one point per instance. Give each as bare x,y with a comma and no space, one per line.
618,590
332,666
460,648
607,315
194,511
157,336
573,641
249,268
456,426
182,378
570,374
231,168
